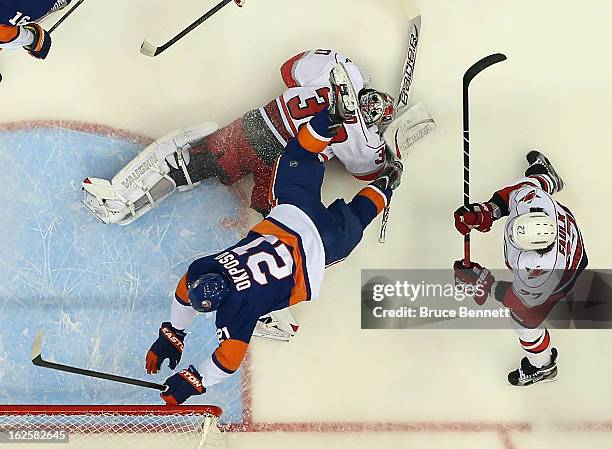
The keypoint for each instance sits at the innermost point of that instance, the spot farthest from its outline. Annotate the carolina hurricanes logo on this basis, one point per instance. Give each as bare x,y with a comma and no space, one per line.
536,272
529,197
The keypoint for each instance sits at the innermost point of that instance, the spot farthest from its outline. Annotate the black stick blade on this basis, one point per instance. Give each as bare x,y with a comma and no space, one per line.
479,66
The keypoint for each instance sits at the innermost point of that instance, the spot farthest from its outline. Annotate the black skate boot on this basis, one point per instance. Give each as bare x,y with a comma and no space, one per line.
540,165
344,100
528,374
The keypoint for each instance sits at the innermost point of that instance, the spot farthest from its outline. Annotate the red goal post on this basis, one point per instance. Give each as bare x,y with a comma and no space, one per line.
111,426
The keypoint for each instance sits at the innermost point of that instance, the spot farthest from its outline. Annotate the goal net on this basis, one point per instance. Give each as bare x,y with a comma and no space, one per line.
110,427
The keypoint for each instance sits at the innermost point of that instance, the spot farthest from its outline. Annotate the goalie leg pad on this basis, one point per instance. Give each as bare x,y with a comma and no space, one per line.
144,182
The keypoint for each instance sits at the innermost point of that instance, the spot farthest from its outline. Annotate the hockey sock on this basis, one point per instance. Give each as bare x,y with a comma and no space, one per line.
536,343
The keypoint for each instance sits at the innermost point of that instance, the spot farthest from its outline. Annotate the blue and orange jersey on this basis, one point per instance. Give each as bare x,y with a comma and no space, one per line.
16,13
269,270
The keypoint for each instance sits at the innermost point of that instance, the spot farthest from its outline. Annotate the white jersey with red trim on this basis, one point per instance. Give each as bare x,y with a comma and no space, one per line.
540,276
359,148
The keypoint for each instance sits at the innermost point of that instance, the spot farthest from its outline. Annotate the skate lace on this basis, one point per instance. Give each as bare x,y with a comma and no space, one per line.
526,375
527,370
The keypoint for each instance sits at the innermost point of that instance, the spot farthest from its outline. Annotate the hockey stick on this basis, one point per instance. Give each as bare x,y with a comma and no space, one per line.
414,26
39,361
469,75
150,50
65,16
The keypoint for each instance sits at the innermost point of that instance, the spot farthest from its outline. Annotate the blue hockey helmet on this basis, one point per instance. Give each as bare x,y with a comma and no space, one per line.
208,291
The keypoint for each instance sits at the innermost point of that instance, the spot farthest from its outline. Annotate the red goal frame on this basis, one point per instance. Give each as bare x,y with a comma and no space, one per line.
133,410
108,411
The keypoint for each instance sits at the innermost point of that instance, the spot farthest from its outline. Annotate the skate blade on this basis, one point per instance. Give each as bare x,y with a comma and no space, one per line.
274,337
545,381
341,77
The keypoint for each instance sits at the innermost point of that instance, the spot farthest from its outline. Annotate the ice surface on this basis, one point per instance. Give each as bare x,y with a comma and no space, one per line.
100,291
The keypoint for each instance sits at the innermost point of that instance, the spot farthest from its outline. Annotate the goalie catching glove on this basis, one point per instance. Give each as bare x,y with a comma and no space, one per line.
475,276
169,345
182,386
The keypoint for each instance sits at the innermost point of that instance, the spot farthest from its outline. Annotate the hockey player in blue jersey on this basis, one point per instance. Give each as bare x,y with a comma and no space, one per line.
281,260
19,27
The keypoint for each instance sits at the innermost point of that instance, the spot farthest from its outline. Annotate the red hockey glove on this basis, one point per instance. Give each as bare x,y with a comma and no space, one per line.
41,45
476,276
477,216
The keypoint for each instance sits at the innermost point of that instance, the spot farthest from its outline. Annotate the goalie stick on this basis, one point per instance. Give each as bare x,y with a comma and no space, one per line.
151,50
469,75
414,27
39,361
59,22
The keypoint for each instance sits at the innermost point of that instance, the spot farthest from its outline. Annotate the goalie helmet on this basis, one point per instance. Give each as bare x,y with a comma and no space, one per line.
533,231
208,291
378,108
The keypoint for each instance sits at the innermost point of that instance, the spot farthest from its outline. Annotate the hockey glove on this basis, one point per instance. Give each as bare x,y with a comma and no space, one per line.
479,216
480,279
169,345
40,46
182,386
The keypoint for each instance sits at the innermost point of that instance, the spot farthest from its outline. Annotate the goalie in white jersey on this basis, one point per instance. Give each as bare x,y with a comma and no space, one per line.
543,249
249,145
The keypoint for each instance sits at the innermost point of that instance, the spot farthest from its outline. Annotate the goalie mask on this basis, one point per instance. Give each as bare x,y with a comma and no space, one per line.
533,231
378,108
208,291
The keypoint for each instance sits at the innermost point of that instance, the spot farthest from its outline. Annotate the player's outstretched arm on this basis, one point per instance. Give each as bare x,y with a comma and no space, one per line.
31,37
182,386
171,340
224,362
41,41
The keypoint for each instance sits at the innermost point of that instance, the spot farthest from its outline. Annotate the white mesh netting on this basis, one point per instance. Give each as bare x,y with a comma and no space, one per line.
111,428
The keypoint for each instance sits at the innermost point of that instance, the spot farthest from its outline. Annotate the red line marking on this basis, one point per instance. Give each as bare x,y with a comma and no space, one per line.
506,441
91,128
411,427
503,430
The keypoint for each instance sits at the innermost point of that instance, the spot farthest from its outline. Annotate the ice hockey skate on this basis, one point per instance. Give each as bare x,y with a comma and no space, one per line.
539,165
528,374
344,98
279,326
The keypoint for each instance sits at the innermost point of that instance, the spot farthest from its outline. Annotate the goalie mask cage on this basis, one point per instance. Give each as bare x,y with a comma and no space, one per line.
110,427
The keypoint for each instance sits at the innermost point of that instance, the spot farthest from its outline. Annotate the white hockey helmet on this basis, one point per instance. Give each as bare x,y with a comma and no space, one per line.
533,231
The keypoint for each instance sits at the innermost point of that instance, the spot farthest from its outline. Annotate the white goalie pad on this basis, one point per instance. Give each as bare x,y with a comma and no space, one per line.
413,125
144,182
